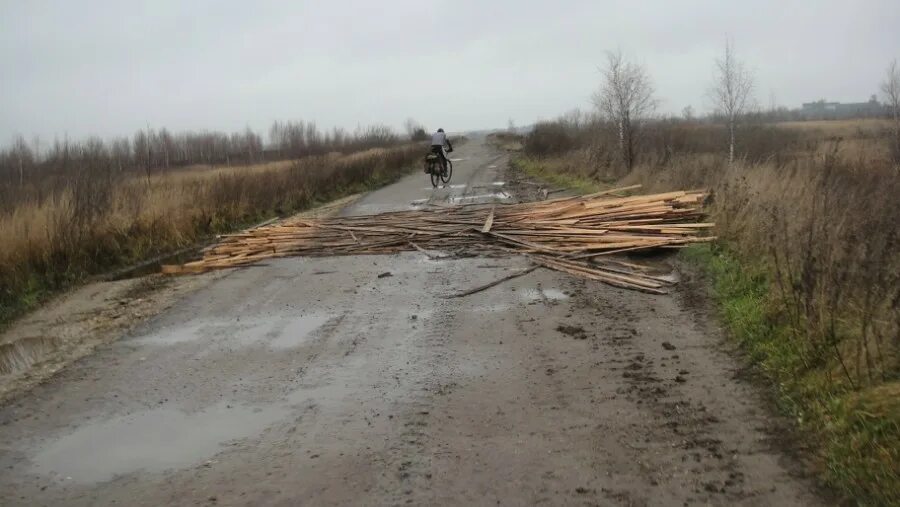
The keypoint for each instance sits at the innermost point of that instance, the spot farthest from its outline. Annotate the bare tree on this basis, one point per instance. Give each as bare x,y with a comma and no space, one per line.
252,144
142,150
732,92
626,100
23,156
415,130
890,87
574,118
688,113
166,145
121,153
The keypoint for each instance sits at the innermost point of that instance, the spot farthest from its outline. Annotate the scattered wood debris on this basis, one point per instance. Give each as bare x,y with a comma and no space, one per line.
572,234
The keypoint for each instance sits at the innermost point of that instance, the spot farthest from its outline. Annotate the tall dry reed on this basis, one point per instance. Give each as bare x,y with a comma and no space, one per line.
101,219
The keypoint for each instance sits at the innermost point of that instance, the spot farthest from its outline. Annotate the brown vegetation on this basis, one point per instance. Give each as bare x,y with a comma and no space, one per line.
91,218
823,211
30,172
811,216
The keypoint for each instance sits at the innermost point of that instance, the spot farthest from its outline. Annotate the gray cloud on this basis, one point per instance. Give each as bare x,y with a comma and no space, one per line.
110,67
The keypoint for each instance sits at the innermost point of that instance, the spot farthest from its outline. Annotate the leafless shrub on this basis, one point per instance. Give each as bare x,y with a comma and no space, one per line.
626,100
818,212
890,88
27,173
824,228
662,142
732,92
550,138
103,218
415,131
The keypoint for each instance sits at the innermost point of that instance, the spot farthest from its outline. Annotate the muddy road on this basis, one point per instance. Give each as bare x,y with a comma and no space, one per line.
355,381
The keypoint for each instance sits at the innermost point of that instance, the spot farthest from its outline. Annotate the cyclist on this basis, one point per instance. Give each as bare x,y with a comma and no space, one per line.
438,140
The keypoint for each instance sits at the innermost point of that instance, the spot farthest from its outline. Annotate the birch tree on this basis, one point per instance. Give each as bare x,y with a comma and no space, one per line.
121,153
23,157
625,99
890,88
732,92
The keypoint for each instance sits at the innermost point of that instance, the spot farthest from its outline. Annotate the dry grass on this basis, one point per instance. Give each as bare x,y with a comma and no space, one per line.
808,273
207,170
98,222
846,128
827,229
505,141
861,140
823,215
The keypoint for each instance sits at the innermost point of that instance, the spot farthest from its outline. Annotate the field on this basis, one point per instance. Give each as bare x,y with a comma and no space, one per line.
806,270
839,127
54,238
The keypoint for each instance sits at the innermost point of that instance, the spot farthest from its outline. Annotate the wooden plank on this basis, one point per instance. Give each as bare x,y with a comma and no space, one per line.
562,232
494,283
489,222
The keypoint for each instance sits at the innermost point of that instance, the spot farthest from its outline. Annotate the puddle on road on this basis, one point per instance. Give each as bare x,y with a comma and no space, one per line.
245,333
280,332
172,335
494,308
165,437
493,185
554,294
154,440
541,294
466,198
297,330
453,186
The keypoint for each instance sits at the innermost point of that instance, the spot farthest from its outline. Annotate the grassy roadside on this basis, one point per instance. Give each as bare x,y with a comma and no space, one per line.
56,244
853,434
544,171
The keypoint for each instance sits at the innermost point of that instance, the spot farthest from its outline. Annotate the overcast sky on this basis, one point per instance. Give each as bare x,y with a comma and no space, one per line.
108,68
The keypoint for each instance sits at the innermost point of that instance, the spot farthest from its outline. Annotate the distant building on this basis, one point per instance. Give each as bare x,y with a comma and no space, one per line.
821,110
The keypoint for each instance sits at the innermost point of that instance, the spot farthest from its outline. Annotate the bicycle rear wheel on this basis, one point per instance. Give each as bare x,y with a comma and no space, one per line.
446,177
434,170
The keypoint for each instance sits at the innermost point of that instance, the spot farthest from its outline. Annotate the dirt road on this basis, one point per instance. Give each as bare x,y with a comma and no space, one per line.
339,381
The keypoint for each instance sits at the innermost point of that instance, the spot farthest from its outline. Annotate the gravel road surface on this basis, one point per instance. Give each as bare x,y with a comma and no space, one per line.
356,381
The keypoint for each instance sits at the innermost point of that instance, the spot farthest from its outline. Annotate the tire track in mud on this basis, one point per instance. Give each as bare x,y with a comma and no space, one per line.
674,407
412,457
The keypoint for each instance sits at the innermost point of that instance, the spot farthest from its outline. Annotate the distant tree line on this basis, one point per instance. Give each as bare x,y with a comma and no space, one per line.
298,139
38,169
624,122
161,149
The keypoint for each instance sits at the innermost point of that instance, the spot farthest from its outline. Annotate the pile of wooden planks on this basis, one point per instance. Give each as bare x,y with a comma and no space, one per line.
574,235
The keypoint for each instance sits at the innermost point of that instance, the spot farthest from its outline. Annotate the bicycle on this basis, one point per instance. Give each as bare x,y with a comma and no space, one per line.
433,168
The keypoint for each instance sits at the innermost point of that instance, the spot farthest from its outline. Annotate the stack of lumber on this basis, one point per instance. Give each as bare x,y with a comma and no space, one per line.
574,234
